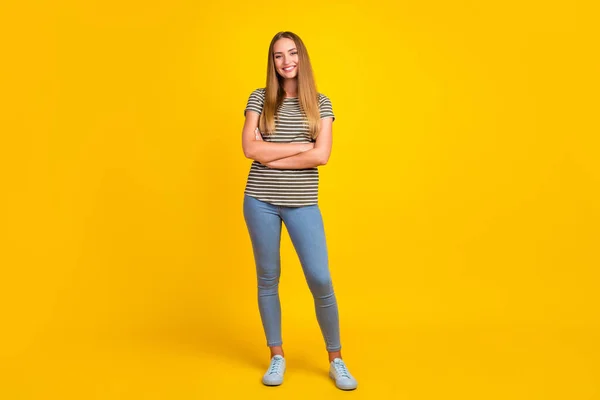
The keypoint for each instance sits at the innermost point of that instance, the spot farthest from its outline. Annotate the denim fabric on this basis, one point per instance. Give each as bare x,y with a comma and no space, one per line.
305,227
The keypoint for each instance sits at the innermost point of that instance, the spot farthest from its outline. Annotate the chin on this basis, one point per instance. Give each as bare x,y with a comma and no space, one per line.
284,74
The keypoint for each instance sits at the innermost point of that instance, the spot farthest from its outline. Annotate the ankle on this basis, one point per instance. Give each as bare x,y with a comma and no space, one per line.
335,354
276,351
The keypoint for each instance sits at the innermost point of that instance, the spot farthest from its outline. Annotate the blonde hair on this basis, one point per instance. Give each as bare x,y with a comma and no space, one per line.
307,89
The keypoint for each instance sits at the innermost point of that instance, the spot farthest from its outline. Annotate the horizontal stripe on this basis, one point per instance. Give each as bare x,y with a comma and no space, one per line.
291,182
265,177
283,201
292,139
280,172
285,172
277,203
289,173
286,202
285,196
283,189
296,189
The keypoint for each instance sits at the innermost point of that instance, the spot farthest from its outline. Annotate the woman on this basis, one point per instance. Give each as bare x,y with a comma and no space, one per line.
287,132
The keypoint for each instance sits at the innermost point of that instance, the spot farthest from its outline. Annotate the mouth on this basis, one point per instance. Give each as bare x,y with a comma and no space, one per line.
289,69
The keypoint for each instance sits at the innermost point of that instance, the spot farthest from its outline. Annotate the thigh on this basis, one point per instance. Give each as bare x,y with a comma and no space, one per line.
264,225
305,226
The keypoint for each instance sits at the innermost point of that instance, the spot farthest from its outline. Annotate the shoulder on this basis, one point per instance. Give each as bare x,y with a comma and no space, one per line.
324,101
260,92
322,98
325,108
256,101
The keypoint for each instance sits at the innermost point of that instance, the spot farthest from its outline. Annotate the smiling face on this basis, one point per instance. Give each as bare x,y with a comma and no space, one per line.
285,56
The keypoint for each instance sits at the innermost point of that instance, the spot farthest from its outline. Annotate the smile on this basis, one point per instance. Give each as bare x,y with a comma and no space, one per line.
288,69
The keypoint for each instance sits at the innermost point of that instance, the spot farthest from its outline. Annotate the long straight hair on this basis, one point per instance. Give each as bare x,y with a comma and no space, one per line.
307,89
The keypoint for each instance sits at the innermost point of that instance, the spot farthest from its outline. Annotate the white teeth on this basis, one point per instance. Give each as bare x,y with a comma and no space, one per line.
289,68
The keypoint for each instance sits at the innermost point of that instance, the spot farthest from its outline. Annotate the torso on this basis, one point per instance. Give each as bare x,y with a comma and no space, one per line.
293,188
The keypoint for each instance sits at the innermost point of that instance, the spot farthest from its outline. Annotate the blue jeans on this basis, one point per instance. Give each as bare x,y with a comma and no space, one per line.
305,226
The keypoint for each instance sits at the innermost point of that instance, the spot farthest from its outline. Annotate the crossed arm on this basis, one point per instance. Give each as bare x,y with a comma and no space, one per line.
286,155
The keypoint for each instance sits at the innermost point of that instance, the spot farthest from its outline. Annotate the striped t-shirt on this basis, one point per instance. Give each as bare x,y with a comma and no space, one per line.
285,187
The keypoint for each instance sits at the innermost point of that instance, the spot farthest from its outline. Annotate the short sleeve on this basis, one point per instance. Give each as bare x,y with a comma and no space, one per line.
255,101
325,107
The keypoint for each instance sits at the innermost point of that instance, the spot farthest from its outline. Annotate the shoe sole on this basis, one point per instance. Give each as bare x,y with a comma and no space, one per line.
275,383
341,387
272,384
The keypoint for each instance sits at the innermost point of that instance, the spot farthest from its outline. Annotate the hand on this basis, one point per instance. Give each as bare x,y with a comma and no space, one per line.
257,135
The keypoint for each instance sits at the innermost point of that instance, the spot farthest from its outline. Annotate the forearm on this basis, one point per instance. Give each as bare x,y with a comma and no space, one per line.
265,152
308,159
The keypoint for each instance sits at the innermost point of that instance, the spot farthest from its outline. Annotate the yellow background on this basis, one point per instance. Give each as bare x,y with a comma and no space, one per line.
461,201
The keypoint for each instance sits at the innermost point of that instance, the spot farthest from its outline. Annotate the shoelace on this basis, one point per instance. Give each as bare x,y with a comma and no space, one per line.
275,364
342,370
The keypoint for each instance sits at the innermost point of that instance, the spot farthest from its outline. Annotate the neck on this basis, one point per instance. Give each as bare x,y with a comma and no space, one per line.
290,86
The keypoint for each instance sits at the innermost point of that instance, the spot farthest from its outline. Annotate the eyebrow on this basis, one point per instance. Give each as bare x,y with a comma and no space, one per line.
281,52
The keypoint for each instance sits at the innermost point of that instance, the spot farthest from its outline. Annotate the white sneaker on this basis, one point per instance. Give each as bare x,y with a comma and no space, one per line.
339,372
274,375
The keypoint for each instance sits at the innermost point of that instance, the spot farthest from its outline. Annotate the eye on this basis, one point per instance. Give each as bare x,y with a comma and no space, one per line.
277,56
294,52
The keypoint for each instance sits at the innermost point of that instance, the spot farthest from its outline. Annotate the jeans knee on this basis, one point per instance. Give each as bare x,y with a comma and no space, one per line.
322,289
268,284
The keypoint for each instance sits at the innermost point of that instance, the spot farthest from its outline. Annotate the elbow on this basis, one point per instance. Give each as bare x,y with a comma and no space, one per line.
324,159
251,155
248,153
321,155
